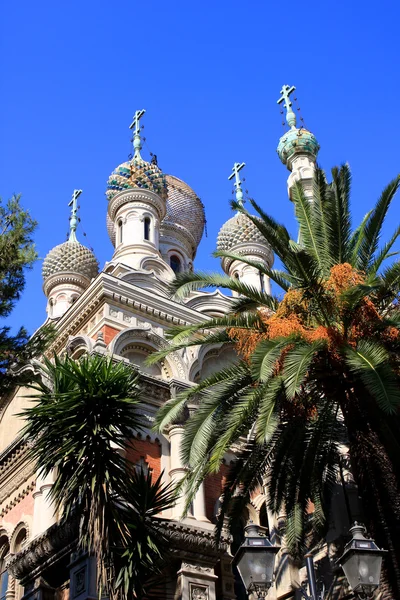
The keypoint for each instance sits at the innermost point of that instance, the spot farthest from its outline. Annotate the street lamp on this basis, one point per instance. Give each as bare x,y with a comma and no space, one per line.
362,562
255,560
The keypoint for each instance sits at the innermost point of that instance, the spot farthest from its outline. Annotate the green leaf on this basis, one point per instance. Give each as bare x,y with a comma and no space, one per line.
370,362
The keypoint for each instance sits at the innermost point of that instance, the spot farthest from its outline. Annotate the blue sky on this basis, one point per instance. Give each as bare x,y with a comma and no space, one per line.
208,74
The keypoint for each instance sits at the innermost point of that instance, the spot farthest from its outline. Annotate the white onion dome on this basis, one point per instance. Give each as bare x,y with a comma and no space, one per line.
240,236
134,174
72,258
238,230
297,141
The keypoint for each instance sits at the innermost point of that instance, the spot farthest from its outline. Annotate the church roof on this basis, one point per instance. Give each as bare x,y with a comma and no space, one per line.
70,257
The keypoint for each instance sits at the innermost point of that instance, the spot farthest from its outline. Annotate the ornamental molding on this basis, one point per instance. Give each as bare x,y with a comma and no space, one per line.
108,288
9,488
128,337
169,232
65,278
139,197
44,550
197,568
248,250
189,542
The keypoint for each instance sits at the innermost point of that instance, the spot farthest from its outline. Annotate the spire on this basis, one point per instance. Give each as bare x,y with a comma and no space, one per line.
135,126
237,183
73,220
285,98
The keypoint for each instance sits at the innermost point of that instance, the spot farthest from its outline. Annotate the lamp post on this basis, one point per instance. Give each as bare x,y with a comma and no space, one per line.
362,562
255,560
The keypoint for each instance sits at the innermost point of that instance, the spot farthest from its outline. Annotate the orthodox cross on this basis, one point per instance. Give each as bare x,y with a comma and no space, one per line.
135,125
285,98
237,183
73,220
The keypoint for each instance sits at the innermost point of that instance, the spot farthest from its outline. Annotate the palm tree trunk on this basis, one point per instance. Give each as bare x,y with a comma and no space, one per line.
377,476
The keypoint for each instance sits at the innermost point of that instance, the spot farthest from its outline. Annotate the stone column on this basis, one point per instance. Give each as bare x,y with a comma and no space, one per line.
196,582
177,470
199,505
43,510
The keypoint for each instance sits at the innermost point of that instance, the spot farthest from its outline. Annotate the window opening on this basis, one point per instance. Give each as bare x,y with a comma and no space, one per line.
262,282
147,228
3,572
175,264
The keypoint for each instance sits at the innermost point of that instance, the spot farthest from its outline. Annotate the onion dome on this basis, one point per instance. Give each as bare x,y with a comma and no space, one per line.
70,257
185,210
136,173
67,269
297,141
239,234
238,230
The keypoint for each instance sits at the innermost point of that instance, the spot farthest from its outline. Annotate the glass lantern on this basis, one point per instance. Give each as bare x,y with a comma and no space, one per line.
362,563
255,560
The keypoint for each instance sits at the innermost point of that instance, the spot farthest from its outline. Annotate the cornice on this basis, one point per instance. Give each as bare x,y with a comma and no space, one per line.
136,196
107,288
186,541
65,277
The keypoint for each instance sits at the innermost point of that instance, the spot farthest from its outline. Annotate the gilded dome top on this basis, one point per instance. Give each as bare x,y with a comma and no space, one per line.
238,230
69,257
136,173
184,208
297,141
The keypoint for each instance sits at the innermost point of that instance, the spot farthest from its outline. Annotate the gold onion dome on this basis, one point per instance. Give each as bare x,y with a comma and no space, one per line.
70,257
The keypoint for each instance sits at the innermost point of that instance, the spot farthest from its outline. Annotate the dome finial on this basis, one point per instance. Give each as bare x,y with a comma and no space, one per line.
285,97
238,184
135,125
73,220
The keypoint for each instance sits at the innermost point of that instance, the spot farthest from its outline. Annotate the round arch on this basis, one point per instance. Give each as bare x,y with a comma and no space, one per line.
143,341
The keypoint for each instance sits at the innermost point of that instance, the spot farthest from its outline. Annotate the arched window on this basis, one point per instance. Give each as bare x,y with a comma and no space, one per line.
147,228
175,264
3,571
19,543
120,232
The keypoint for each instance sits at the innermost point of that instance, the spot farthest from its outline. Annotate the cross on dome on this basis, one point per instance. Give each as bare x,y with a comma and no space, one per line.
135,125
237,183
285,92
73,220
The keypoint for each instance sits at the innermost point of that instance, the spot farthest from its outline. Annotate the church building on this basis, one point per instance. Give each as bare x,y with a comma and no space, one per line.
155,222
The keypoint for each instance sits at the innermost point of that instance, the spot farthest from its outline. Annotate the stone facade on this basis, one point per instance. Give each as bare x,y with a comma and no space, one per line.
125,311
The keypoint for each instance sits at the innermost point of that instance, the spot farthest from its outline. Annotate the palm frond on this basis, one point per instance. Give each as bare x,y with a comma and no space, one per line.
187,282
373,228
340,187
296,364
369,361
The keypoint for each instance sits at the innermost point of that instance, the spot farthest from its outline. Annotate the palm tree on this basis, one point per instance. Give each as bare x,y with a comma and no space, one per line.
81,421
315,368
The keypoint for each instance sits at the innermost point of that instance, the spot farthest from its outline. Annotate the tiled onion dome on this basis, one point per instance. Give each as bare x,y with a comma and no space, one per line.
297,141
70,257
238,230
184,208
136,173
